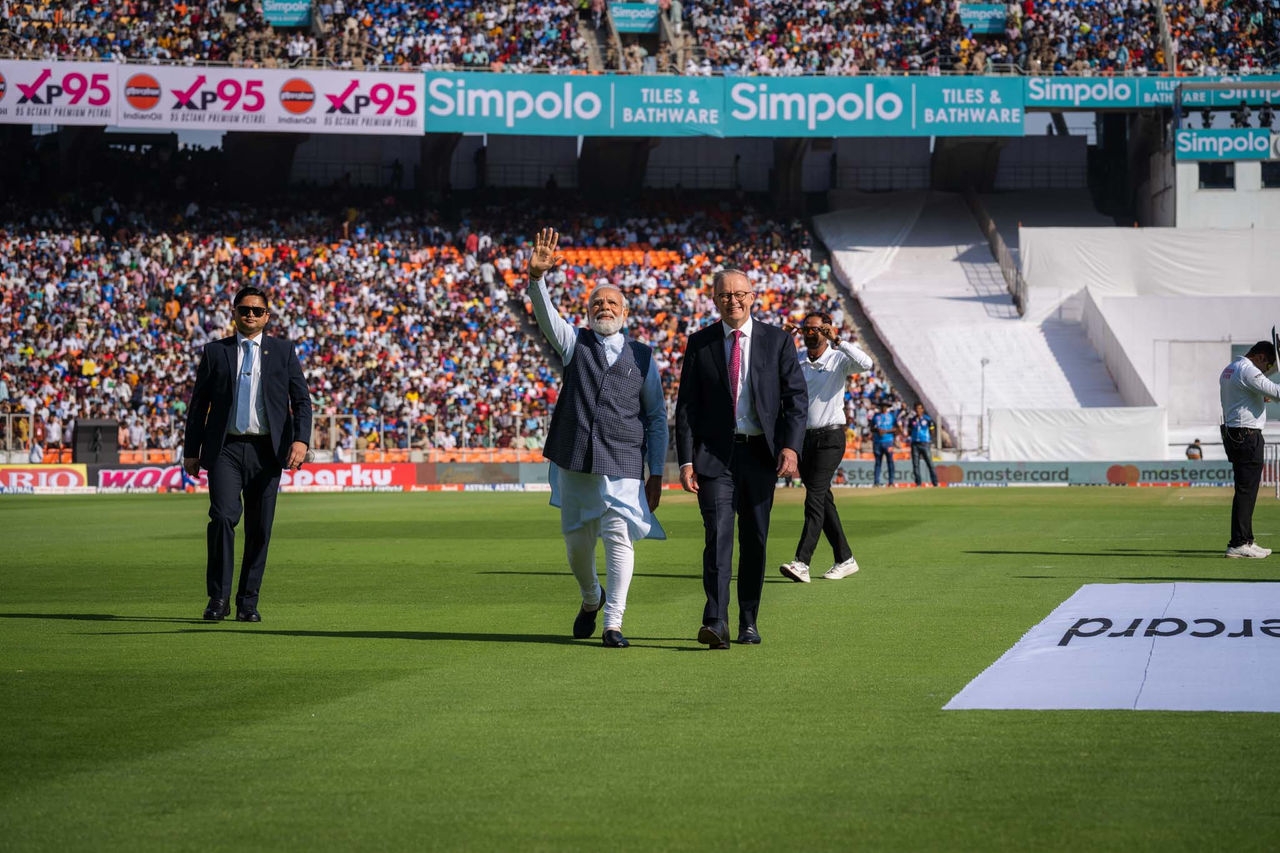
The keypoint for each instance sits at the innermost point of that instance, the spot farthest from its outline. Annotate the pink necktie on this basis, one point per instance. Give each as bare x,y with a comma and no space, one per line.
735,366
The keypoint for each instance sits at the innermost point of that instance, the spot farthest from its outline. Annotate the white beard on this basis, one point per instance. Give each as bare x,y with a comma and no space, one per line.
605,328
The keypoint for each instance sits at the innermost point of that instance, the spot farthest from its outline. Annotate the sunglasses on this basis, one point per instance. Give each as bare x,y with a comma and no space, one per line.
250,311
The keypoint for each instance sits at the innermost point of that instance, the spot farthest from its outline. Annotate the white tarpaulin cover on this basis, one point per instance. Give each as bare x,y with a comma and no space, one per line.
1078,435
1149,261
1145,647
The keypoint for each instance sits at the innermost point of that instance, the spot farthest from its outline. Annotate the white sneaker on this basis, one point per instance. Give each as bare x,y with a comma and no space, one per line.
1247,551
1262,552
842,570
796,570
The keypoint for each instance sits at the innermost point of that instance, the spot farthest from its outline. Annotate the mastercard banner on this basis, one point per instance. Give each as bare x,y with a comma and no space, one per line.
57,93
275,100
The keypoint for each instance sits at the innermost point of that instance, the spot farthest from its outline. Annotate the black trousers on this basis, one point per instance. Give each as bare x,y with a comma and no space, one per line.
745,491
247,467
920,451
1244,450
823,450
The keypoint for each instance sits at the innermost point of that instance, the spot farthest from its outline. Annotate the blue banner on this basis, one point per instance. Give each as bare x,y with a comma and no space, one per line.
1128,93
577,105
1253,143
983,18
287,13
635,17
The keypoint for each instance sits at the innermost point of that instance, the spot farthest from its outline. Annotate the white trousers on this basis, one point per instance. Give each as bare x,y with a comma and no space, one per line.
619,561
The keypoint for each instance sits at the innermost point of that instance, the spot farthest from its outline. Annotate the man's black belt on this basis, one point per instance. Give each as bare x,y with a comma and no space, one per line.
743,438
263,437
820,430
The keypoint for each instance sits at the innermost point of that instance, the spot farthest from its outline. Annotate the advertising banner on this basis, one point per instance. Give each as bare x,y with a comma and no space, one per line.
1253,143
983,18
1143,647
261,99
1129,93
634,17
1182,472
287,13
328,477
21,479
57,92
573,105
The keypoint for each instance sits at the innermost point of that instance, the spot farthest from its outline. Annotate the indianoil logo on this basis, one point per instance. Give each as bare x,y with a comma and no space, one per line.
2,87
297,96
142,91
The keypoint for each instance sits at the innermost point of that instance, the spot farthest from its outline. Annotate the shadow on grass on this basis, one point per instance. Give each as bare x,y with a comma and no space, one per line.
104,617
1114,552
429,636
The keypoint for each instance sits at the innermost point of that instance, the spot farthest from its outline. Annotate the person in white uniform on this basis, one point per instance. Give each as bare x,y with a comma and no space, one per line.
827,363
1245,390
610,422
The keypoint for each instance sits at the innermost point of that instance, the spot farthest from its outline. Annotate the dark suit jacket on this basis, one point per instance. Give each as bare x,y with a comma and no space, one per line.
704,408
284,390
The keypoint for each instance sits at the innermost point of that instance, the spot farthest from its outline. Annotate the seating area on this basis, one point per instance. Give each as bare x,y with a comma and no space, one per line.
771,37
411,326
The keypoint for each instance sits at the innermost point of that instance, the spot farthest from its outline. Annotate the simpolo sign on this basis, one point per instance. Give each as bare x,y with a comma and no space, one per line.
635,17
572,105
287,13
1254,143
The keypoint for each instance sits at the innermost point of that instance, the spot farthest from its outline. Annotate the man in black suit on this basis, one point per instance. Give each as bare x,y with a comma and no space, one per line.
249,417
740,422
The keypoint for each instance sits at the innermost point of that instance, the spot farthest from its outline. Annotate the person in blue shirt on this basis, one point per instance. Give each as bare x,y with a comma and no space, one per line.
921,429
884,424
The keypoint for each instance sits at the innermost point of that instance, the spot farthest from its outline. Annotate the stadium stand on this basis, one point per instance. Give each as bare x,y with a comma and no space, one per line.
774,37
410,326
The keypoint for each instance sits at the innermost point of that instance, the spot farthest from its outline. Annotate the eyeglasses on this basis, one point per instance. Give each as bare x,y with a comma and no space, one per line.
734,296
250,310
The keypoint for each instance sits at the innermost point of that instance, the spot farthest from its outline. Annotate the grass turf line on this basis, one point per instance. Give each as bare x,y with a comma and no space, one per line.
413,684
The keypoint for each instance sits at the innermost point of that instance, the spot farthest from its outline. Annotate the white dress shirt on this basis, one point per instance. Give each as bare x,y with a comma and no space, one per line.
258,411
585,497
825,378
1242,386
745,418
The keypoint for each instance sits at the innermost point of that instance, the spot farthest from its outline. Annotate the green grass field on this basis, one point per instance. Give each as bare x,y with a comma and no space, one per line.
413,685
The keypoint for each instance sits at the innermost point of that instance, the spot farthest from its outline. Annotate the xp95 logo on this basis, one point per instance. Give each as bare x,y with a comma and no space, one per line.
71,88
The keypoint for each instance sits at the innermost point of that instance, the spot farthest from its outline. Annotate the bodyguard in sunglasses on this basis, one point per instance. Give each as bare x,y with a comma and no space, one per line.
249,417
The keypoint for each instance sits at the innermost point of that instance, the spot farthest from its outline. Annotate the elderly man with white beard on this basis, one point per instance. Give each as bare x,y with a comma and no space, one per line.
610,421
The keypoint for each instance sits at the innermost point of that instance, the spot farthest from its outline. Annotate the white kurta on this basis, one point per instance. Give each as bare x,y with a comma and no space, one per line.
585,497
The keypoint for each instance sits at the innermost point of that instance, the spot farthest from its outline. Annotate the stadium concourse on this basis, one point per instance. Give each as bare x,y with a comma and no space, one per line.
1082,37
410,325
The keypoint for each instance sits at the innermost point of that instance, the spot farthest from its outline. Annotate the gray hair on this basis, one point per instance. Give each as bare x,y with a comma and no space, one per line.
717,281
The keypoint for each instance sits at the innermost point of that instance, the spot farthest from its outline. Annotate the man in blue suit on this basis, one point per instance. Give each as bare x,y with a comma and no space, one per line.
249,417
740,422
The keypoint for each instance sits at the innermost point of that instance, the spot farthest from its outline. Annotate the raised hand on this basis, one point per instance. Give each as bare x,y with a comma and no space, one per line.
544,255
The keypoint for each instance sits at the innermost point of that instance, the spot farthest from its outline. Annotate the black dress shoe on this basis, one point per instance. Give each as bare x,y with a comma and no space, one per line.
217,610
715,636
253,616
614,639
585,624
748,635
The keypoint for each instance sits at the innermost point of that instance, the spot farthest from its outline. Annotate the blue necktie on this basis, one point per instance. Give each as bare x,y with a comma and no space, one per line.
244,402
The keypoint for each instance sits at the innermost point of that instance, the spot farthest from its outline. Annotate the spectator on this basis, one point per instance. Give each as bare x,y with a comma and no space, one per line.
1194,450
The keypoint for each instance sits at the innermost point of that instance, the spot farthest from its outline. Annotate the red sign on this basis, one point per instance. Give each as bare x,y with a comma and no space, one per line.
142,91
338,477
42,476
297,96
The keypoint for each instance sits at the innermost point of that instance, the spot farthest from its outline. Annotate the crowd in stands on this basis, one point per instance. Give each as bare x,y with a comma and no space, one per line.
778,37
412,327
